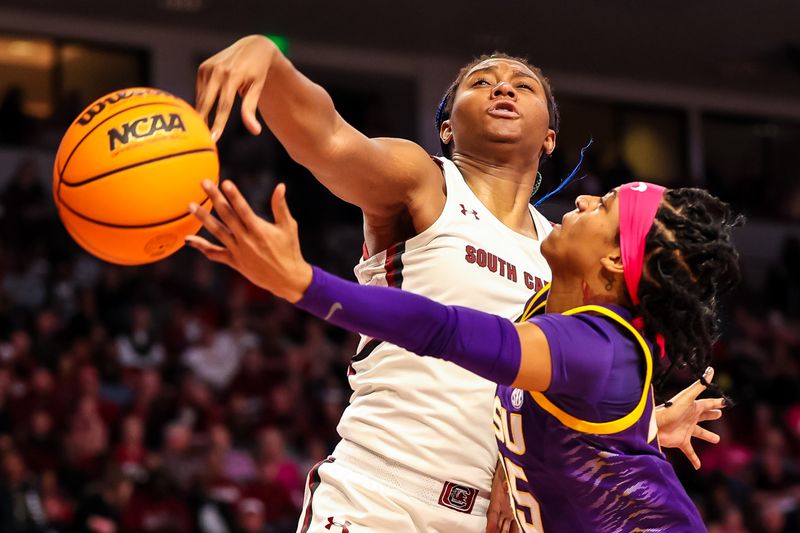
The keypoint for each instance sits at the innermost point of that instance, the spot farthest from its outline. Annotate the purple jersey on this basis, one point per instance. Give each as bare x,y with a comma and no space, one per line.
584,455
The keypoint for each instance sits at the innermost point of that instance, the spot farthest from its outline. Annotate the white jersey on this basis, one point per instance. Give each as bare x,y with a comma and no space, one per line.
431,415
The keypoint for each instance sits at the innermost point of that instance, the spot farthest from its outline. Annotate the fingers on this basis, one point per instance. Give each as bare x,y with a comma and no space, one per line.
690,454
491,522
227,95
207,88
214,226
712,414
238,203
707,404
249,107
280,210
706,435
211,251
696,388
494,519
224,209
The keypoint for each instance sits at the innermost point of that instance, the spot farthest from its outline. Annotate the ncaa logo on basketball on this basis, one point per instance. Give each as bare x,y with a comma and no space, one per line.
517,397
143,128
458,497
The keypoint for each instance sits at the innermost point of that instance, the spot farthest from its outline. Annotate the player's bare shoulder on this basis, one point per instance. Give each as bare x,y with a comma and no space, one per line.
411,162
421,176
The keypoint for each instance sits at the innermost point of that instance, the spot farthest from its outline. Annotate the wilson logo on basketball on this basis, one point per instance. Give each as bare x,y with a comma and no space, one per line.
143,128
112,99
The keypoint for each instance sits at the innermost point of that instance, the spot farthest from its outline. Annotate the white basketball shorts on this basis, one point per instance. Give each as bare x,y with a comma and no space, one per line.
358,491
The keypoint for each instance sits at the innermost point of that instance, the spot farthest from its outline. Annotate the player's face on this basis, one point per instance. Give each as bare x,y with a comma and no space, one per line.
585,236
500,101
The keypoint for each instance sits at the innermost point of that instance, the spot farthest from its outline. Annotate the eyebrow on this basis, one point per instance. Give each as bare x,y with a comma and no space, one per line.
518,73
603,201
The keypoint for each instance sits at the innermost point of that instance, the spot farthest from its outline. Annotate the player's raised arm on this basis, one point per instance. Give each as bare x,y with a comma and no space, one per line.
377,175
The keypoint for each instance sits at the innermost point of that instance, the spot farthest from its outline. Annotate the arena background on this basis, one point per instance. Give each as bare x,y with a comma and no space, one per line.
176,397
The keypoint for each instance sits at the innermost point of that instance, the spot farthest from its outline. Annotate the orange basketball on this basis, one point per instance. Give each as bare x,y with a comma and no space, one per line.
126,171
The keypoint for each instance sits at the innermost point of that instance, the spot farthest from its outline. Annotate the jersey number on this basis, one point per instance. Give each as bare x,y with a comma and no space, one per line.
508,430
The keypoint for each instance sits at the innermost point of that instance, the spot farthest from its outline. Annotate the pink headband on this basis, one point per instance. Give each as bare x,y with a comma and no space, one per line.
638,204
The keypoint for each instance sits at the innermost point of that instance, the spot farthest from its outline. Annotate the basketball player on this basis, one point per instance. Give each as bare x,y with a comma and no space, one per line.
459,230
636,275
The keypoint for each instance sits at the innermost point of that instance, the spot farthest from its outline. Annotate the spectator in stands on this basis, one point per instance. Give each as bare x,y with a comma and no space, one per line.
214,359
180,462
158,506
57,507
101,510
236,464
40,445
87,439
130,454
277,466
139,347
250,517
20,505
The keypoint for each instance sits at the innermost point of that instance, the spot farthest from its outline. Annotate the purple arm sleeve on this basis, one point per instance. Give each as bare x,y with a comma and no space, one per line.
484,344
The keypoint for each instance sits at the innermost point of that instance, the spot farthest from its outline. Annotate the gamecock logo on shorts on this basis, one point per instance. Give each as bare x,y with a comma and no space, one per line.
342,528
458,497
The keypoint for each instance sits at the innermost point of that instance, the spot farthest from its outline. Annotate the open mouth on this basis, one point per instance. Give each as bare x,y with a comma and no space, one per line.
504,109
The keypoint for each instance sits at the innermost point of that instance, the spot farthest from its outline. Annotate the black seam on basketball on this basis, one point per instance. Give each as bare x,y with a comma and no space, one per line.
129,226
137,164
75,148
89,247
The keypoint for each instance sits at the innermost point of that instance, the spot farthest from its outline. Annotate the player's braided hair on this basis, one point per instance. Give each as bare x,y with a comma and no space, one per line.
446,105
690,261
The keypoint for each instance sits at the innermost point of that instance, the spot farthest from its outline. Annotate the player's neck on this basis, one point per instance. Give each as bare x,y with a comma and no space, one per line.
568,292
503,187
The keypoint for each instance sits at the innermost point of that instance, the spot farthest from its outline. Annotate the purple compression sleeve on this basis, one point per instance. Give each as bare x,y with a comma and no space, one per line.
484,344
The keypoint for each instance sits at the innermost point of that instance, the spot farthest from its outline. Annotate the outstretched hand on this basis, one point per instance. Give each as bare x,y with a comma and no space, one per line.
268,254
678,423
241,68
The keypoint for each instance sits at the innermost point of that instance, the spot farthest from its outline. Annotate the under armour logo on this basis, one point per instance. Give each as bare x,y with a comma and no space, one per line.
342,527
639,187
464,212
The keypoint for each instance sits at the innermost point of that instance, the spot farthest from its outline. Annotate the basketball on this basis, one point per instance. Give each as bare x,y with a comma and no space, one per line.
127,169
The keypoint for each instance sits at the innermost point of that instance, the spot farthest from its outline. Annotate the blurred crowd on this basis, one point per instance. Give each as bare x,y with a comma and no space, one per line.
750,481
175,397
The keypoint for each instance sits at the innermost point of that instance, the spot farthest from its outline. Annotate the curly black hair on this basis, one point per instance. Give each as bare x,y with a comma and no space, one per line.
690,261
446,105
